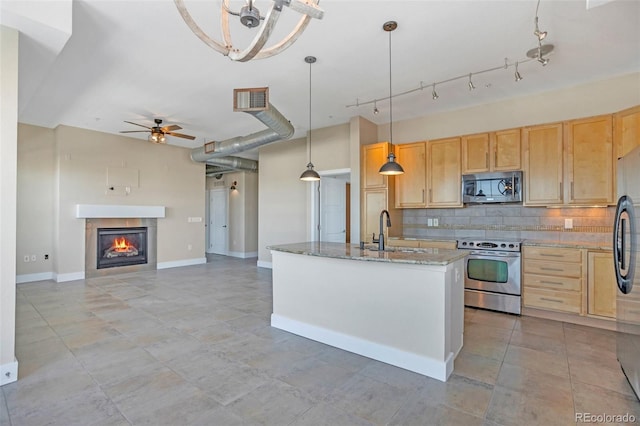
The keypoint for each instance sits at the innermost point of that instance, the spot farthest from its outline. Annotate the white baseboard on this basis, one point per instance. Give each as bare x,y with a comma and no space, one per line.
9,372
263,264
71,276
243,255
178,263
30,278
409,361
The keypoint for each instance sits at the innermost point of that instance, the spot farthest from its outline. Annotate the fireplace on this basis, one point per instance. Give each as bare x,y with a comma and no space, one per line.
95,250
121,247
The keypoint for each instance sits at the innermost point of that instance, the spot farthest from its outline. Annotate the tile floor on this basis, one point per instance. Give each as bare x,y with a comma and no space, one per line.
193,346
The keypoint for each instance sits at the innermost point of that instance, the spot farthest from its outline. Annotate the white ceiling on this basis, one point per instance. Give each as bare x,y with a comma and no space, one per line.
137,60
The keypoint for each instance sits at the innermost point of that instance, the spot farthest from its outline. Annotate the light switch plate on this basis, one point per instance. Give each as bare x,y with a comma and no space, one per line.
568,224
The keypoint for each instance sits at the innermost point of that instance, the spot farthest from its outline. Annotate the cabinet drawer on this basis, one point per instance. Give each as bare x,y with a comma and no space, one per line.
553,283
565,301
555,269
553,254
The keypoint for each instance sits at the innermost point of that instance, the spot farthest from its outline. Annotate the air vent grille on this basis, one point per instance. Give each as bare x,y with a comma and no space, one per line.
251,99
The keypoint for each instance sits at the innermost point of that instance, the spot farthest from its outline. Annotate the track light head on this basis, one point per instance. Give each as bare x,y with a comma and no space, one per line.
517,75
471,86
434,95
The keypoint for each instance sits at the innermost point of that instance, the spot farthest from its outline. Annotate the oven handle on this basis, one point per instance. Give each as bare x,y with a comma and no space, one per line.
487,254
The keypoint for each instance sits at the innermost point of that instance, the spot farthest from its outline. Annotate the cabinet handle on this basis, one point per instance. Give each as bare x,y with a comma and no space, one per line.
561,190
430,199
486,160
551,269
423,195
495,158
551,282
551,300
572,190
551,255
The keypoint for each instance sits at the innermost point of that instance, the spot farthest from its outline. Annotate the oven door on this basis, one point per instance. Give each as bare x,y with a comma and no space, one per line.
493,271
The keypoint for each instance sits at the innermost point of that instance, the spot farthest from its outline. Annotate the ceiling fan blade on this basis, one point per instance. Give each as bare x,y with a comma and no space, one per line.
134,131
171,128
180,135
136,124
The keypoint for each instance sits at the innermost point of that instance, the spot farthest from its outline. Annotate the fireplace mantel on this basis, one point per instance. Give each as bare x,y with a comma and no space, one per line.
87,211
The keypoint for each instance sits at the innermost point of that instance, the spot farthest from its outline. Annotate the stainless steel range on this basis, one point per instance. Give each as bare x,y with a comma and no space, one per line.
492,274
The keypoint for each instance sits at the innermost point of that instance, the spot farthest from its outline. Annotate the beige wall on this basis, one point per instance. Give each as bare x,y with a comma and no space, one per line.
284,200
8,185
36,167
601,97
82,160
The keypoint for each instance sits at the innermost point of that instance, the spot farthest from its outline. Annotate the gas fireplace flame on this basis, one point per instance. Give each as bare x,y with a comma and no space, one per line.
121,244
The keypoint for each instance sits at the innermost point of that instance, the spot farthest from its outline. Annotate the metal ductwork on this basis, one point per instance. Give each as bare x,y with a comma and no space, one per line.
235,163
255,102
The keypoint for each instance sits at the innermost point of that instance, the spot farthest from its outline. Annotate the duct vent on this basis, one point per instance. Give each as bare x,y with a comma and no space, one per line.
252,99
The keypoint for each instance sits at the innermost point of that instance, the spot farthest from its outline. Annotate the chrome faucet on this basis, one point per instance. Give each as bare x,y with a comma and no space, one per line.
381,234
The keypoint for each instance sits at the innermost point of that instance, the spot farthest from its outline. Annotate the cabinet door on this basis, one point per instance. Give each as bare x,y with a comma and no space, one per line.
589,149
626,134
373,202
475,153
601,285
373,157
411,186
542,149
506,152
444,170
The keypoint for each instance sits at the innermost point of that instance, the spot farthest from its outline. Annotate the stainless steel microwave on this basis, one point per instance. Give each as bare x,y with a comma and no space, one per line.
500,187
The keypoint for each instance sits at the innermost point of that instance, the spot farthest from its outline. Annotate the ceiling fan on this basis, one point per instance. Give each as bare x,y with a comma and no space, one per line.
157,133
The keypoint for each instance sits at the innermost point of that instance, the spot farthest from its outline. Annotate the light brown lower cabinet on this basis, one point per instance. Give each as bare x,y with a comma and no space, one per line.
602,288
552,279
570,280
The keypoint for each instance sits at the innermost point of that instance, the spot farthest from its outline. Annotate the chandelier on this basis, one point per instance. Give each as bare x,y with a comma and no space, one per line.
250,17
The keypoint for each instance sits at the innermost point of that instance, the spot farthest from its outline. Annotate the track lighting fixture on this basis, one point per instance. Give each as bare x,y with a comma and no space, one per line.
517,75
310,175
471,86
539,52
390,167
375,108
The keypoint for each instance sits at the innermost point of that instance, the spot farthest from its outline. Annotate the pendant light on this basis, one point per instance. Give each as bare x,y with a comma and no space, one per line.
310,175
390,167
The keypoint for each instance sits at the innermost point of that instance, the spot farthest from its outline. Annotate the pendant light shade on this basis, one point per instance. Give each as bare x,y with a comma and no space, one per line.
390,167
310,175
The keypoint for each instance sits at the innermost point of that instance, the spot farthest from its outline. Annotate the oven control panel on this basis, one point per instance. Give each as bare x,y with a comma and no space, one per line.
505,245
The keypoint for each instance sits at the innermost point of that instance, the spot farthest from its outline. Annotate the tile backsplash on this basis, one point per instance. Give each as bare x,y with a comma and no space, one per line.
593,224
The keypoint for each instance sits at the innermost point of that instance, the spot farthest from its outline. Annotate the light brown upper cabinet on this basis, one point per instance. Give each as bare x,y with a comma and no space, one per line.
542,164
626,130
373,156
444,173
411,186
488,152
589,161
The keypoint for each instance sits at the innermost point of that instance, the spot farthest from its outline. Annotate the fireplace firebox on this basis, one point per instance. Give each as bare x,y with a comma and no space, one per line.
121,247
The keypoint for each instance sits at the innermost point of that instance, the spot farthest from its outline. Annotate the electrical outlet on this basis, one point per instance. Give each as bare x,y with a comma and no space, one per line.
435,221
568,224
33,258
189,247
429,222
26,258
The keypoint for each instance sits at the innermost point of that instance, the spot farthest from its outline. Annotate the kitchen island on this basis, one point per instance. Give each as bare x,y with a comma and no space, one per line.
404,307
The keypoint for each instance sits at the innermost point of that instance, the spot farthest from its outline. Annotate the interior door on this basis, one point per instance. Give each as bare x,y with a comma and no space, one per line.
333,208
218,227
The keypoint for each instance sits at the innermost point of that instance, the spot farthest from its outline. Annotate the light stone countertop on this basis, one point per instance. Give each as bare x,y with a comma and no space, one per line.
416,256
589,245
